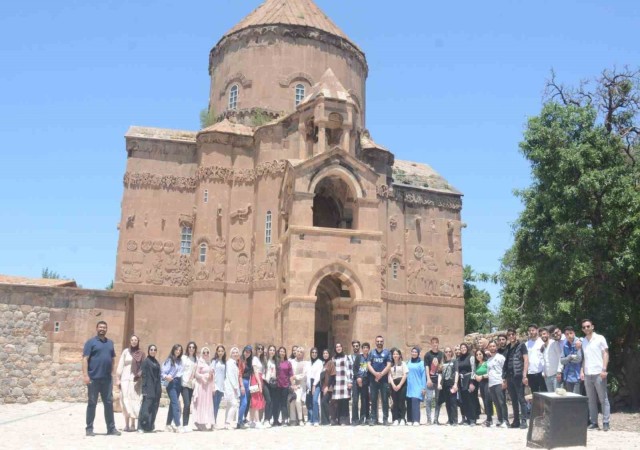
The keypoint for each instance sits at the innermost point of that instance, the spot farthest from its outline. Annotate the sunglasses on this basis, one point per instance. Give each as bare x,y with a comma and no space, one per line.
153,349
586,327
205,353
379,342
448,351
191,346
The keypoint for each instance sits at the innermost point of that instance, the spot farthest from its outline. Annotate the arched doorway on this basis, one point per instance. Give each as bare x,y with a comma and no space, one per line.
332,322
333,204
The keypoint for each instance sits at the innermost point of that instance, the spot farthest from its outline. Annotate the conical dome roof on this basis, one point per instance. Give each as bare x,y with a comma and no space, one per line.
289,12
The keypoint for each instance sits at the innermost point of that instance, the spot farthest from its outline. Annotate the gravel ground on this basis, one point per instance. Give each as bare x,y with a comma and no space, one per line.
61,426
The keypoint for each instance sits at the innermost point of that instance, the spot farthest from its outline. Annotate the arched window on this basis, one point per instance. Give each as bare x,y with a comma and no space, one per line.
299,93
185,240
233,97
267,228
394,269
203,253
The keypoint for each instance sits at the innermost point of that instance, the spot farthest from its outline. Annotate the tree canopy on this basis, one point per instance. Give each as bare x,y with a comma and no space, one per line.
576,251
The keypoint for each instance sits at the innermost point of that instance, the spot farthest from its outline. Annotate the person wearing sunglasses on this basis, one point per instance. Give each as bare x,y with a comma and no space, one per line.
219,365
448,387
189,362
203,392
379,367
594,374
552,338
151,391
514,377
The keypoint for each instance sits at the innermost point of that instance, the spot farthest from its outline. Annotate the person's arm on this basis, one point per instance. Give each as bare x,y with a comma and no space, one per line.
370,369
404,376
440,381
605,363
386,369
456,377
525,369
120,369
85,370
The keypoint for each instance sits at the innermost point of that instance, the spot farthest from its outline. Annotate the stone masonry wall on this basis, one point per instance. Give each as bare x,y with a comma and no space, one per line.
42,332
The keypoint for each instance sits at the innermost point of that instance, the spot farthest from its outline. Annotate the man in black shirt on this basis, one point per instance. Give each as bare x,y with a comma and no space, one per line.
431,361
514,376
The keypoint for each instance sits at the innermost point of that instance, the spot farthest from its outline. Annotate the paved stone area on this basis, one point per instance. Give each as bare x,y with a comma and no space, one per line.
57,425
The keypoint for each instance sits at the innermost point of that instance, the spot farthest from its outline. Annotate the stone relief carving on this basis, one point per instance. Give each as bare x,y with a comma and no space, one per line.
132,245
241,215
296,76
155,274
131,220
243,269
418,252
393,223
267,269
419,198
157,246
169,247
203,274
158,149
147,180
419,279
186,220
146,245
219,250
237,243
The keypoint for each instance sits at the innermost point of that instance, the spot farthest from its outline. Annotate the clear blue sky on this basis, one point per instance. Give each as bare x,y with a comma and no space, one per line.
450,84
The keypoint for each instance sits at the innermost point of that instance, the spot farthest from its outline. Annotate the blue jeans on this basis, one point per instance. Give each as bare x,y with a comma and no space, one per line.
315,412
217,398
379,388
174,388
244,401
103,387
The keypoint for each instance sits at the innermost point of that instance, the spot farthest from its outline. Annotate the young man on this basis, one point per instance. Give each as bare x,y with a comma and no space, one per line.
502,344
98,363
379,366
570,362
495,367
514,376
431,361
552,338
361,384
594,374
536,361
355,347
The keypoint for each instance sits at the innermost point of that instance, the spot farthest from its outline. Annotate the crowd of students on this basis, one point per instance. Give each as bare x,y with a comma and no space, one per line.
265,386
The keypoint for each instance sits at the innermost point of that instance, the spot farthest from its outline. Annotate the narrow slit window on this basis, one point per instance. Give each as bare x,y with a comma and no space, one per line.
299,93
203,252
394,270
233,97
56,327
267,228
206,195
185,240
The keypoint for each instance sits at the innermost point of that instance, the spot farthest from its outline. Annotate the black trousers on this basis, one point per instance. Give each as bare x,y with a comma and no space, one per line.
148,412
468,405
342,411
363,395
280,405
326,408
516,392
266,392
399,409
536,382
102,387
355,396
483,390
450,399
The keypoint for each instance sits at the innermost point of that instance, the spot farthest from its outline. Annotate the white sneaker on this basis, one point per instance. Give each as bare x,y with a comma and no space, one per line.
416,424
168,429
186,429
395,424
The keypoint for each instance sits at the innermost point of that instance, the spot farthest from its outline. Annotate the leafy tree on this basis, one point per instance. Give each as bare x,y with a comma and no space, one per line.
576,251
207,118
478,317
48,273
109,287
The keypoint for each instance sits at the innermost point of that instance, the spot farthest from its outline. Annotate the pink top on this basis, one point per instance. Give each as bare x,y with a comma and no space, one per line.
285,372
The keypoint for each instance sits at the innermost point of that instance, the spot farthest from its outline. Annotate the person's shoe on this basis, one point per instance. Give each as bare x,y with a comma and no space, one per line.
385,423
605,426
472,424
593,426
113,433
371,422
454,424
504,425
241,426
486,423
515,424
89,433
523,424
395,423
416,424
141,431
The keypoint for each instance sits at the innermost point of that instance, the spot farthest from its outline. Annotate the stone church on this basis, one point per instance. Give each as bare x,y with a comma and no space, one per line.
284,221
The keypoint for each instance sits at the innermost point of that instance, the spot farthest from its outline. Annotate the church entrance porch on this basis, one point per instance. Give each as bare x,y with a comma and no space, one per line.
332,313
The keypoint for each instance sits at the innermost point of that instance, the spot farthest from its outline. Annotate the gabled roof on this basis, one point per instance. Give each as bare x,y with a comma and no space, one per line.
289,12
328,87
45,282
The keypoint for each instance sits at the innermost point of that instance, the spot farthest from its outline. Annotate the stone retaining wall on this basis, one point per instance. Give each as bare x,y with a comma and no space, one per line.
42,332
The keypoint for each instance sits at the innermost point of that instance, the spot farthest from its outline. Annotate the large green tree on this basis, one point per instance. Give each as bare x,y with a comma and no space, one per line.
478,317
576,251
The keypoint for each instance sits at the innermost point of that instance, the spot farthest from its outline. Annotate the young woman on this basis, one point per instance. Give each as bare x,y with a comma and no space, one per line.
342,388
481,380
328,377
246,371
284,373
314,383
398,386
416,384
189,363
128,378
256,386
151,391
271,408
232,390
448,387
219,366
203,392
172,378
466,367
261,358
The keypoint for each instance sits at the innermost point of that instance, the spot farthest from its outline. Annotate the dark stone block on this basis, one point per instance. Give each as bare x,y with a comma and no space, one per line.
558,420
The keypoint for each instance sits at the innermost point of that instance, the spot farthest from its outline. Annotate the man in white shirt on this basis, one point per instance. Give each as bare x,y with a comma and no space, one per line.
535,349
594,374
552,338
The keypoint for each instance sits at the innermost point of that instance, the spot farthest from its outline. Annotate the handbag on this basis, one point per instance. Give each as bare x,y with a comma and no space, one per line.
254,389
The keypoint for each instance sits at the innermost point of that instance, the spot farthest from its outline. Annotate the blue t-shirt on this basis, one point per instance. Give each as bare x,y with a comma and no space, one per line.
101,354
379,360
416,380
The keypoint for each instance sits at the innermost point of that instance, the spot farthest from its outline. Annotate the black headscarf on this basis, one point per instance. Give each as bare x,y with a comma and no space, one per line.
415,360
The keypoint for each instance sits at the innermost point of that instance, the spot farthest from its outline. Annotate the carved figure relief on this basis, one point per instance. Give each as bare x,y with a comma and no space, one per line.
237,243
243,269
393,223
418,252
241,215
169,247
219,250
131,220
202,274
132,267
267,269
158,246
146,245
132,245
155,274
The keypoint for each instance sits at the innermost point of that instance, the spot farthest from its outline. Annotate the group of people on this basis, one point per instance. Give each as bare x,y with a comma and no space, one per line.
267,386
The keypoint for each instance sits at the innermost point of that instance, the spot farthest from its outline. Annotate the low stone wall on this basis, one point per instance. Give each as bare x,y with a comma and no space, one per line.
42,332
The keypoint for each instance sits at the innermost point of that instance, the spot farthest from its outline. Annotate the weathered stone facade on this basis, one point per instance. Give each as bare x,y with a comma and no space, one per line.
284,222
42,332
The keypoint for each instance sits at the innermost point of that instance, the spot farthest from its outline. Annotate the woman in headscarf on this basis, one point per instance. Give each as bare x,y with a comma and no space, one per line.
232,388
416,384
314,384
171,376
129,373
151,391
398,386
342,389
203,392
219,365
328,377
466,368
